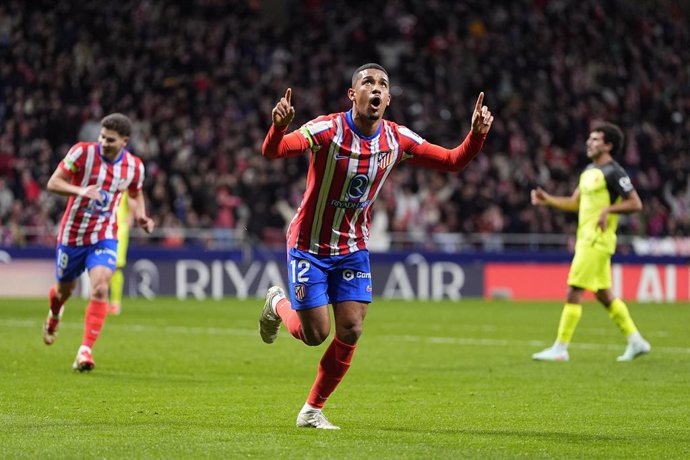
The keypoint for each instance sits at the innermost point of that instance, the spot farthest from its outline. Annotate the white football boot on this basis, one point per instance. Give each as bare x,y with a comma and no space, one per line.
314,418
269,321
634,349
552,354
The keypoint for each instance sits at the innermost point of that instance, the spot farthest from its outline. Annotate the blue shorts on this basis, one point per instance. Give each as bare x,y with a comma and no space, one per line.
71,261
318,280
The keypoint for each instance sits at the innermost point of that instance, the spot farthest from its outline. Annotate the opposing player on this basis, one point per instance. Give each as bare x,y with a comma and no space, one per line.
352,154
94,175
117,283
604,191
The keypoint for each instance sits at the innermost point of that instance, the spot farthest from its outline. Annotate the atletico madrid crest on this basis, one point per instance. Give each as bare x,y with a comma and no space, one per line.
385,159
300,291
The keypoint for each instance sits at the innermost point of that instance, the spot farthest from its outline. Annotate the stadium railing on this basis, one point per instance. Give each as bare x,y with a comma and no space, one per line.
221,238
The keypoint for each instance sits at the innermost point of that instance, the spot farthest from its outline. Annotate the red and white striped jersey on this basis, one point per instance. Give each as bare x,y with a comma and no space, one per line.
87,221
346,173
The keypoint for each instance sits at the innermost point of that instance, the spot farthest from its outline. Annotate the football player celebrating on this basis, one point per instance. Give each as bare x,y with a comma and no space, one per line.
351,155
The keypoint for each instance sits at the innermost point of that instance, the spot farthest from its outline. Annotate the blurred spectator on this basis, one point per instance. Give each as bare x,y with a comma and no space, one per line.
6,199
30,190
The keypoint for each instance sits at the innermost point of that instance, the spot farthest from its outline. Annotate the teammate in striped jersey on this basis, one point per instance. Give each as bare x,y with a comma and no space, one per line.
351,155
94,175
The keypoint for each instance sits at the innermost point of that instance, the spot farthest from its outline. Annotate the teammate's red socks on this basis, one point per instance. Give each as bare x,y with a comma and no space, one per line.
332,368
96,312
55,304
290,318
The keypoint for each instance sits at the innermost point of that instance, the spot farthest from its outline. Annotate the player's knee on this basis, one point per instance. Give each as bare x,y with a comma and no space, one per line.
605,298
64,291
63,296
350,333
99,291
315,337
574,295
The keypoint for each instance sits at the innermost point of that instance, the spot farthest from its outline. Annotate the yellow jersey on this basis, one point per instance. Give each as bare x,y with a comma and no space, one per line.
600,186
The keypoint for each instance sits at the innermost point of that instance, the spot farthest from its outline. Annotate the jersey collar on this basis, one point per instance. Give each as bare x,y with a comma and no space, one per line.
116,160
353,127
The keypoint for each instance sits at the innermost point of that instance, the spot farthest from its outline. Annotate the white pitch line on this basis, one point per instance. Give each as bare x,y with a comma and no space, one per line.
196,330
530,343
463,341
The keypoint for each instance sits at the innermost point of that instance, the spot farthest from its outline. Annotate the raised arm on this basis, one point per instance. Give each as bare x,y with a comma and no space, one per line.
436,157
277,144
428,155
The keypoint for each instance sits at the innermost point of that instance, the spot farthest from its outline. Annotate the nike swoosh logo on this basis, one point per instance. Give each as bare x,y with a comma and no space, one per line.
341,157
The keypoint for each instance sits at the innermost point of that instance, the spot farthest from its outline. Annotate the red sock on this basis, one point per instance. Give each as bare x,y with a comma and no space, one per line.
93,321
290,318
55,304
332,368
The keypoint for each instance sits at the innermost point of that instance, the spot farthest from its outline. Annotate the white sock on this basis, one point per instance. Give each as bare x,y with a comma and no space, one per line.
634,337
560,346
274,303
84,348
308,408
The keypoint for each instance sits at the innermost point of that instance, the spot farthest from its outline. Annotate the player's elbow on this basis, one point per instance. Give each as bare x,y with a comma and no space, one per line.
269,154
638,206
453,165
458,167
634,203
51,186
268,151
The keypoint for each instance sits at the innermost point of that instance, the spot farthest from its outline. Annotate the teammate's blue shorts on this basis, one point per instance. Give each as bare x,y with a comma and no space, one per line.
71,261
318,280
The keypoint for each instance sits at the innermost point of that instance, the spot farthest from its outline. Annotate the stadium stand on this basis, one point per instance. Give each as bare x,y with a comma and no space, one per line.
200,79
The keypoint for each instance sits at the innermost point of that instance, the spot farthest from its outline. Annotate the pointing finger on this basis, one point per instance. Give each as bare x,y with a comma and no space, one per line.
480,99
288,95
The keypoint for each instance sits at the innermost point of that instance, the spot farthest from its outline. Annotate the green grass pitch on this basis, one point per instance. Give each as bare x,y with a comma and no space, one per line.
429,380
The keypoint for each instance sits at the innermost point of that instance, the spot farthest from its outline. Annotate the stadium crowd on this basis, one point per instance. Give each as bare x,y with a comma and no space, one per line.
200,78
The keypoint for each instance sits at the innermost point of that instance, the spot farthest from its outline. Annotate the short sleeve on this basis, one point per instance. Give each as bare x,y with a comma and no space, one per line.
138,181
619,181
74,160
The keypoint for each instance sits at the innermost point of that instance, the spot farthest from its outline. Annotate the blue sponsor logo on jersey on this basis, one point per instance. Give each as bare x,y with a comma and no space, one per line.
358,186
100,206
350,204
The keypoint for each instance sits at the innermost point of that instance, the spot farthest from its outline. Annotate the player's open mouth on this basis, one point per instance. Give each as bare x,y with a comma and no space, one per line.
375,102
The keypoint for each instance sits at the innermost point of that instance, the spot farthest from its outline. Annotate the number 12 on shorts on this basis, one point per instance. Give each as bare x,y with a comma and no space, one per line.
298,270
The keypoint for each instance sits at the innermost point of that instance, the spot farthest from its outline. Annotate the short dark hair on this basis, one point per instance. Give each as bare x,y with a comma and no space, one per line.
119,123
370,65
612,135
